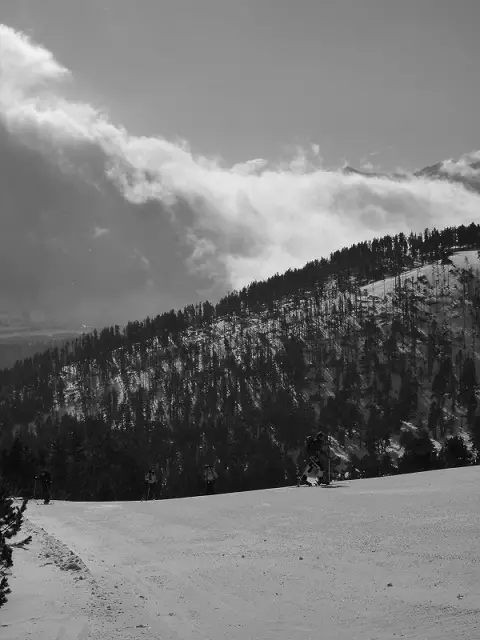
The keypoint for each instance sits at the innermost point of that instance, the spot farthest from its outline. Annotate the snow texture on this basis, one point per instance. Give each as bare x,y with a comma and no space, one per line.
368,559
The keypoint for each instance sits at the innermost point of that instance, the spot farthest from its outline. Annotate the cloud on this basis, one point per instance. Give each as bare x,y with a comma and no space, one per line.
367,165
467,166
106,225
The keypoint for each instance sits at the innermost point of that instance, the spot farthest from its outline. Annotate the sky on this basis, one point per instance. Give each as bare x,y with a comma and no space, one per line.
157,154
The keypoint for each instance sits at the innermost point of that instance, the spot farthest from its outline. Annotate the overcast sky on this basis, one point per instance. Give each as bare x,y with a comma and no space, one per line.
157,153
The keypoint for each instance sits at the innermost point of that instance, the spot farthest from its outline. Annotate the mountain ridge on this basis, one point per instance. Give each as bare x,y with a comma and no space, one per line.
16,330
465,171
378,345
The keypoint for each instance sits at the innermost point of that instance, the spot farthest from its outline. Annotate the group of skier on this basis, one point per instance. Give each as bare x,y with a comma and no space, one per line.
210,476
317,452
317,470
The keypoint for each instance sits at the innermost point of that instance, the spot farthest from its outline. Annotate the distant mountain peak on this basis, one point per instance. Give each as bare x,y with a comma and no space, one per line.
465,170
349,170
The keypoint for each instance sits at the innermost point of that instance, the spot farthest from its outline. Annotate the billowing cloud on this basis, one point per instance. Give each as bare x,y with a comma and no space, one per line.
366,163
103,225
467,166
368,166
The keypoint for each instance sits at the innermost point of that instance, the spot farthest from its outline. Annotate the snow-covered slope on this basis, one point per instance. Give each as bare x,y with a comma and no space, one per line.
332,330
372,559
437,289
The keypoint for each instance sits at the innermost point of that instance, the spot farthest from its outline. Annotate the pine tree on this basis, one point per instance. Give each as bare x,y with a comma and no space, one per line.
11,520
455,453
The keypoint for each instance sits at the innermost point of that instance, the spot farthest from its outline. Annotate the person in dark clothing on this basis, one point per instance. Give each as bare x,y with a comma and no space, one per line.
210,476
46,481
322,453
151,480
317,458
310,446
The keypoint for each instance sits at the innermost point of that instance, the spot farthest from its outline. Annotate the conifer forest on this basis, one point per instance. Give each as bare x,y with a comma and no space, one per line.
377,345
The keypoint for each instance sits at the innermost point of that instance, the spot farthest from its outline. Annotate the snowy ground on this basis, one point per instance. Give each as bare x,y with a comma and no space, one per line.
368,559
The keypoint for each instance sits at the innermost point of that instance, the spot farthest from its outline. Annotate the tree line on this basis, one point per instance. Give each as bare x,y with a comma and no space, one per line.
240,384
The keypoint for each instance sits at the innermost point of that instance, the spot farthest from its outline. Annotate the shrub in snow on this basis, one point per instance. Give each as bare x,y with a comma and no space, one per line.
455,453
11,520
419,452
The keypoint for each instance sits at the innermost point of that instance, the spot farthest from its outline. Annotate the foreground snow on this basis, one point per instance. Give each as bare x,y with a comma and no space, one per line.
52,592
370,559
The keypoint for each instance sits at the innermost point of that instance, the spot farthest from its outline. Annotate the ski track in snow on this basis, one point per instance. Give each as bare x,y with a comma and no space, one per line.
282,563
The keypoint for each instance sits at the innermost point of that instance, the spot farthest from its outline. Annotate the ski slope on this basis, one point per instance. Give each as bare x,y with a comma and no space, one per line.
366,559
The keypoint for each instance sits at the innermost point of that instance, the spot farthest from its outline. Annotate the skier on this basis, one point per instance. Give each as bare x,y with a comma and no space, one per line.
317,459
322,453
310,453
151,480
46,480
210,476
310,447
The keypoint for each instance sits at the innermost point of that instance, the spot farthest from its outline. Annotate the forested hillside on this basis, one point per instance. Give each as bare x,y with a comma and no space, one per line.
378,345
